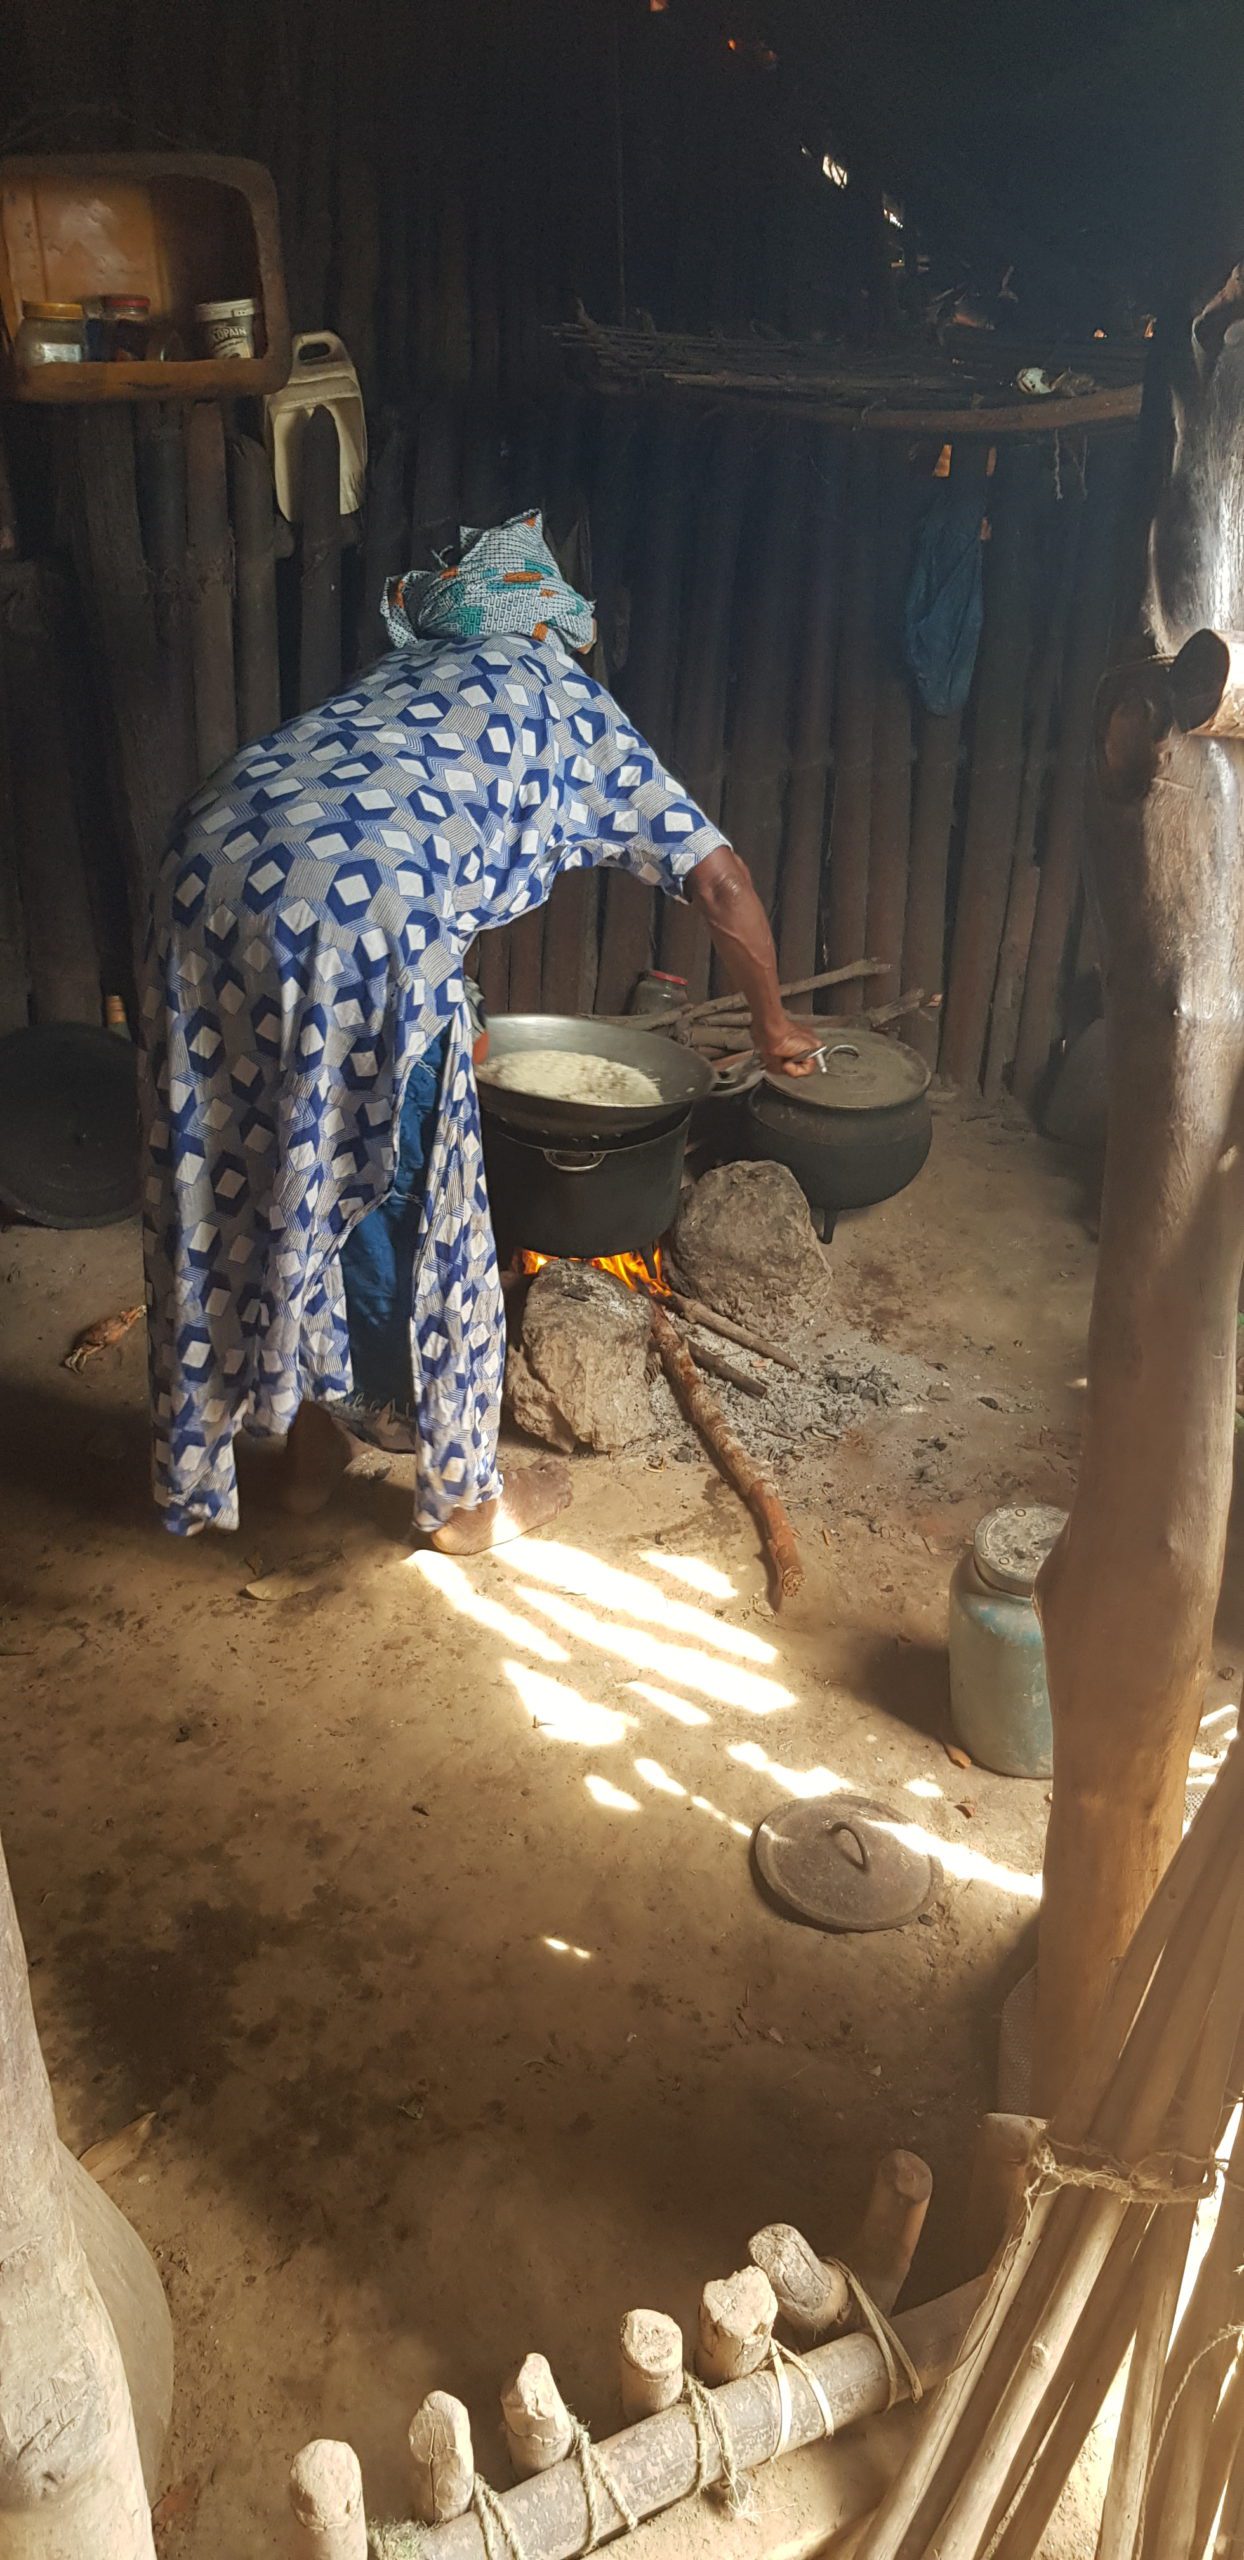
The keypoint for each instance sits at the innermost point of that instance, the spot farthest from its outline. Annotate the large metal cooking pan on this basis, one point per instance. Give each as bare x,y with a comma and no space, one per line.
682,1076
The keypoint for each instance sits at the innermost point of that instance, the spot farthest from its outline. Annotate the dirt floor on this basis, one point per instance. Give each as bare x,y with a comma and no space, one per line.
415,1898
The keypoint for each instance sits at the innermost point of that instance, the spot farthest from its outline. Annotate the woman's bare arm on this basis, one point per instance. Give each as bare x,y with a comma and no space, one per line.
722,888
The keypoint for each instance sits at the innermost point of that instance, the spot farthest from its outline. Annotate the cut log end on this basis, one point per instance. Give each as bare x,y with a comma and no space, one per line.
442,2459
811,2295
326,2495
539,2429
736,2324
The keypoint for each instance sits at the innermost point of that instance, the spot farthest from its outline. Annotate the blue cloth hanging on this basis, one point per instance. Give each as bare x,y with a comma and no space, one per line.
944,609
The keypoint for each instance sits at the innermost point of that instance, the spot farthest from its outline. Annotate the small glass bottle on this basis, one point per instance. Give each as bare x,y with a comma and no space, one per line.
658,991
51,333
129,316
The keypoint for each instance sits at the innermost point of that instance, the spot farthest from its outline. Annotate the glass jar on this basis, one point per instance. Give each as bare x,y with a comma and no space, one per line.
127,317
659,992
999,1699
51,333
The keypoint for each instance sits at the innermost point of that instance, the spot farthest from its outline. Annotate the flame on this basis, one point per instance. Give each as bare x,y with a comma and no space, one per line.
637,1270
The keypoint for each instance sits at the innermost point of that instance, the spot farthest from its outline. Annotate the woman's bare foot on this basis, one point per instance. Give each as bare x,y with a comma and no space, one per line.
529,1499
317,1453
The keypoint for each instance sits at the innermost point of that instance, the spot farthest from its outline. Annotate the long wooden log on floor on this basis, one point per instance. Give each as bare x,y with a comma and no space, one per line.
655,2462
850,828
934,792
1109,461
71,2478
997,766
803,861
211,586
763,1501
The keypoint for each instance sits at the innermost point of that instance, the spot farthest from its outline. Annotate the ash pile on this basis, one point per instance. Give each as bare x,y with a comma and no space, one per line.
582,1372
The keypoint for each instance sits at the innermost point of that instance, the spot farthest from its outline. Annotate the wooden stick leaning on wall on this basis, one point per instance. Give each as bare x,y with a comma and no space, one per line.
933,803
1106,469
319,639
161,479
1025,871
258,663
803,860
720,478
890,829
997,765
98,508
846,893
211,586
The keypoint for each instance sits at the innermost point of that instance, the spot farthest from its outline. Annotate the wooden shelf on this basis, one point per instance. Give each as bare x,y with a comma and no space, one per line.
178,227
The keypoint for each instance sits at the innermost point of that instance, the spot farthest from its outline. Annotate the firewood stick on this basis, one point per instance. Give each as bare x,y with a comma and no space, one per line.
849,970
650,2355
326,2495
539,2429
1197,2367
812,2296
736,2323
442,2459
765,1504
716,1367
696,1312
885,2244
1049,2452
656,2463
1226,2435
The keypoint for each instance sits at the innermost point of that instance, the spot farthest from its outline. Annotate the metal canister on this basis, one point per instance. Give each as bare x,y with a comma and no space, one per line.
999,1697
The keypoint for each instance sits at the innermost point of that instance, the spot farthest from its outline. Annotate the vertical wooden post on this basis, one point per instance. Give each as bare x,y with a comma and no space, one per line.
160,467
319,645
258,652
997,765
70,2477
759,750
850,826
13,980
648,692
933,814
211,598
62,954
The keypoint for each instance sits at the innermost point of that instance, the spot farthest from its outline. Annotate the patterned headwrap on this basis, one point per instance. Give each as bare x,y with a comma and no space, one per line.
506,579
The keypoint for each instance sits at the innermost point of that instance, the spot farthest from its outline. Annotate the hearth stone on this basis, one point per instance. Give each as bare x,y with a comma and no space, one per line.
744,1242
579,1376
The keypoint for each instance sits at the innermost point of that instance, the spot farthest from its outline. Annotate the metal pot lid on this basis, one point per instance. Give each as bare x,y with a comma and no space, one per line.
859,1072
68,1125
837,1863
1011,1546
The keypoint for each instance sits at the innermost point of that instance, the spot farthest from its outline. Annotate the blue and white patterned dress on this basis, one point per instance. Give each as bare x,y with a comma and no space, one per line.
307,940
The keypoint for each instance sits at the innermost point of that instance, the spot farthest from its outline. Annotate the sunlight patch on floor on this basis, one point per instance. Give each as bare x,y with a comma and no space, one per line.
681,1709
561,1714
615,1799
969,1866
563,1947
726,1682
692,1570
448,1579
803,1783
654,1775
583,1577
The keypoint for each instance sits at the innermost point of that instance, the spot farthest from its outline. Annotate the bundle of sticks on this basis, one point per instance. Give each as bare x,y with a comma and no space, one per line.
1098,2259
717,1026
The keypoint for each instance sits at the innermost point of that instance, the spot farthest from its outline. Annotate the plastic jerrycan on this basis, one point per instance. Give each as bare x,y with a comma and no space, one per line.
321,377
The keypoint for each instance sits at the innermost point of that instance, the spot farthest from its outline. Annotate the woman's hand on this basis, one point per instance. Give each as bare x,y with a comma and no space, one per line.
790,1047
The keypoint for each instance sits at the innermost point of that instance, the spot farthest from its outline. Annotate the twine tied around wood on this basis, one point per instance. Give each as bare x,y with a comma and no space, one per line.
1152,2181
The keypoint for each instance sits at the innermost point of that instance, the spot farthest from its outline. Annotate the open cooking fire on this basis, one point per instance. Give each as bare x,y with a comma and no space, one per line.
638,1270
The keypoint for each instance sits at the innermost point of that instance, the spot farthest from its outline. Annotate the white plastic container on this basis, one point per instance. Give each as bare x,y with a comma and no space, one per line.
321,377
227,329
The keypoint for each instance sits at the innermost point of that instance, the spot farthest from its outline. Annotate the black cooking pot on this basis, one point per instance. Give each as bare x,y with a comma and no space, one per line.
852,1134
586,1178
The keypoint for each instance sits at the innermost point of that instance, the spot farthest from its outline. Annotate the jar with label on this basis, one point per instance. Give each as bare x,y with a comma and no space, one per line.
999,1700
127,317
50,333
